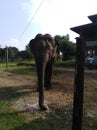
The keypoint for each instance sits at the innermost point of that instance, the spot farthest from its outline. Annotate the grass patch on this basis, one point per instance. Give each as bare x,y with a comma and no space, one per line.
19,68
26,64
69,63
10,65
22,70
29,67
8,119
58,119
89,122
48,122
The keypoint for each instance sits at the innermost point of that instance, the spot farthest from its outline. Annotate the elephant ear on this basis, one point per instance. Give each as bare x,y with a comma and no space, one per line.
49,38
55,49
32,46
39,36
57,45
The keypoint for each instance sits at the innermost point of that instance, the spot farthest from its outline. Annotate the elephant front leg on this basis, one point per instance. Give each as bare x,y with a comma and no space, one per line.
40,73
48,75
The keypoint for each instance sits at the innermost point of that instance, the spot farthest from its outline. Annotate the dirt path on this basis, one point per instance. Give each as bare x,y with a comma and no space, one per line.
8,79
24,86
21,89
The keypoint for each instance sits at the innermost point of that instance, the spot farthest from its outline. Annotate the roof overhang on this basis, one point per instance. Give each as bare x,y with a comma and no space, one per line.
92,27
93,18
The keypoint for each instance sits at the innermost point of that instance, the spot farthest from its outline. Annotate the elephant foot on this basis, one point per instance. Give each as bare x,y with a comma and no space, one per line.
48,86
37,89
43,107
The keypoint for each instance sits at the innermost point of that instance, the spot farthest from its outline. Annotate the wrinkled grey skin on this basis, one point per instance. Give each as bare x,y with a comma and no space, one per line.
44,48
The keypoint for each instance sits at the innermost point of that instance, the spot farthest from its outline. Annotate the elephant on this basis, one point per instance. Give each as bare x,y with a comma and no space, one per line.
44,49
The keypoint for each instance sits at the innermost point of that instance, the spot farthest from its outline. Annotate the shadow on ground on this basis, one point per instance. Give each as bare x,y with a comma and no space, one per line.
8,93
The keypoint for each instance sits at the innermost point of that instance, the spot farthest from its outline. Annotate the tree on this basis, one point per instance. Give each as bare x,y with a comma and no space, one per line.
12,52
25,55
65,46
2,54
29,54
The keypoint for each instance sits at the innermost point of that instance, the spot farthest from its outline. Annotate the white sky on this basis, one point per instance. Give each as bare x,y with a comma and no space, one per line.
54,16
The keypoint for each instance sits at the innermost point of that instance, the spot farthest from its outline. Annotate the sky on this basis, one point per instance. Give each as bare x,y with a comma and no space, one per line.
22,20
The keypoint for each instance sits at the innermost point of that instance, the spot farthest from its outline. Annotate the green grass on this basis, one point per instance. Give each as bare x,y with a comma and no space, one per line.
12,120
59,119
8,119
19,68
68,63
22,70
2,66
89,123
29,67
10,65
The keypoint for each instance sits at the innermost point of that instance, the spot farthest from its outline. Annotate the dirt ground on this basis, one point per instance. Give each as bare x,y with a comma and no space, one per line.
24,86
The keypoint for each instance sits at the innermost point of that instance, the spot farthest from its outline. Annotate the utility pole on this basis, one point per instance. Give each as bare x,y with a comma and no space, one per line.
79,84
6,57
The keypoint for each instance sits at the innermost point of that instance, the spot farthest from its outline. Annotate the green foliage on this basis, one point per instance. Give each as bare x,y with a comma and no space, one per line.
65,46
2,53
25,55
65,43
12,52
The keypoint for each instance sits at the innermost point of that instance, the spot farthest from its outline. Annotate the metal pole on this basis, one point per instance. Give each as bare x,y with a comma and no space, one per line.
79,85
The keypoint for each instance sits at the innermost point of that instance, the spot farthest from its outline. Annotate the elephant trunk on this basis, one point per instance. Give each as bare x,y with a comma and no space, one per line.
40,65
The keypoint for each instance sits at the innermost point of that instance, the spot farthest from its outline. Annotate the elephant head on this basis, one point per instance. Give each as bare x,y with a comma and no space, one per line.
44,48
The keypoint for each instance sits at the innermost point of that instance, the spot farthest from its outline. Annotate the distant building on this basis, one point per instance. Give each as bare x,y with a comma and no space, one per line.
89,32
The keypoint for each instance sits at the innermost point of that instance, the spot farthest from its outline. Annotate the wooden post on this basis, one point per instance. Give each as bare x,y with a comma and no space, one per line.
79,85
